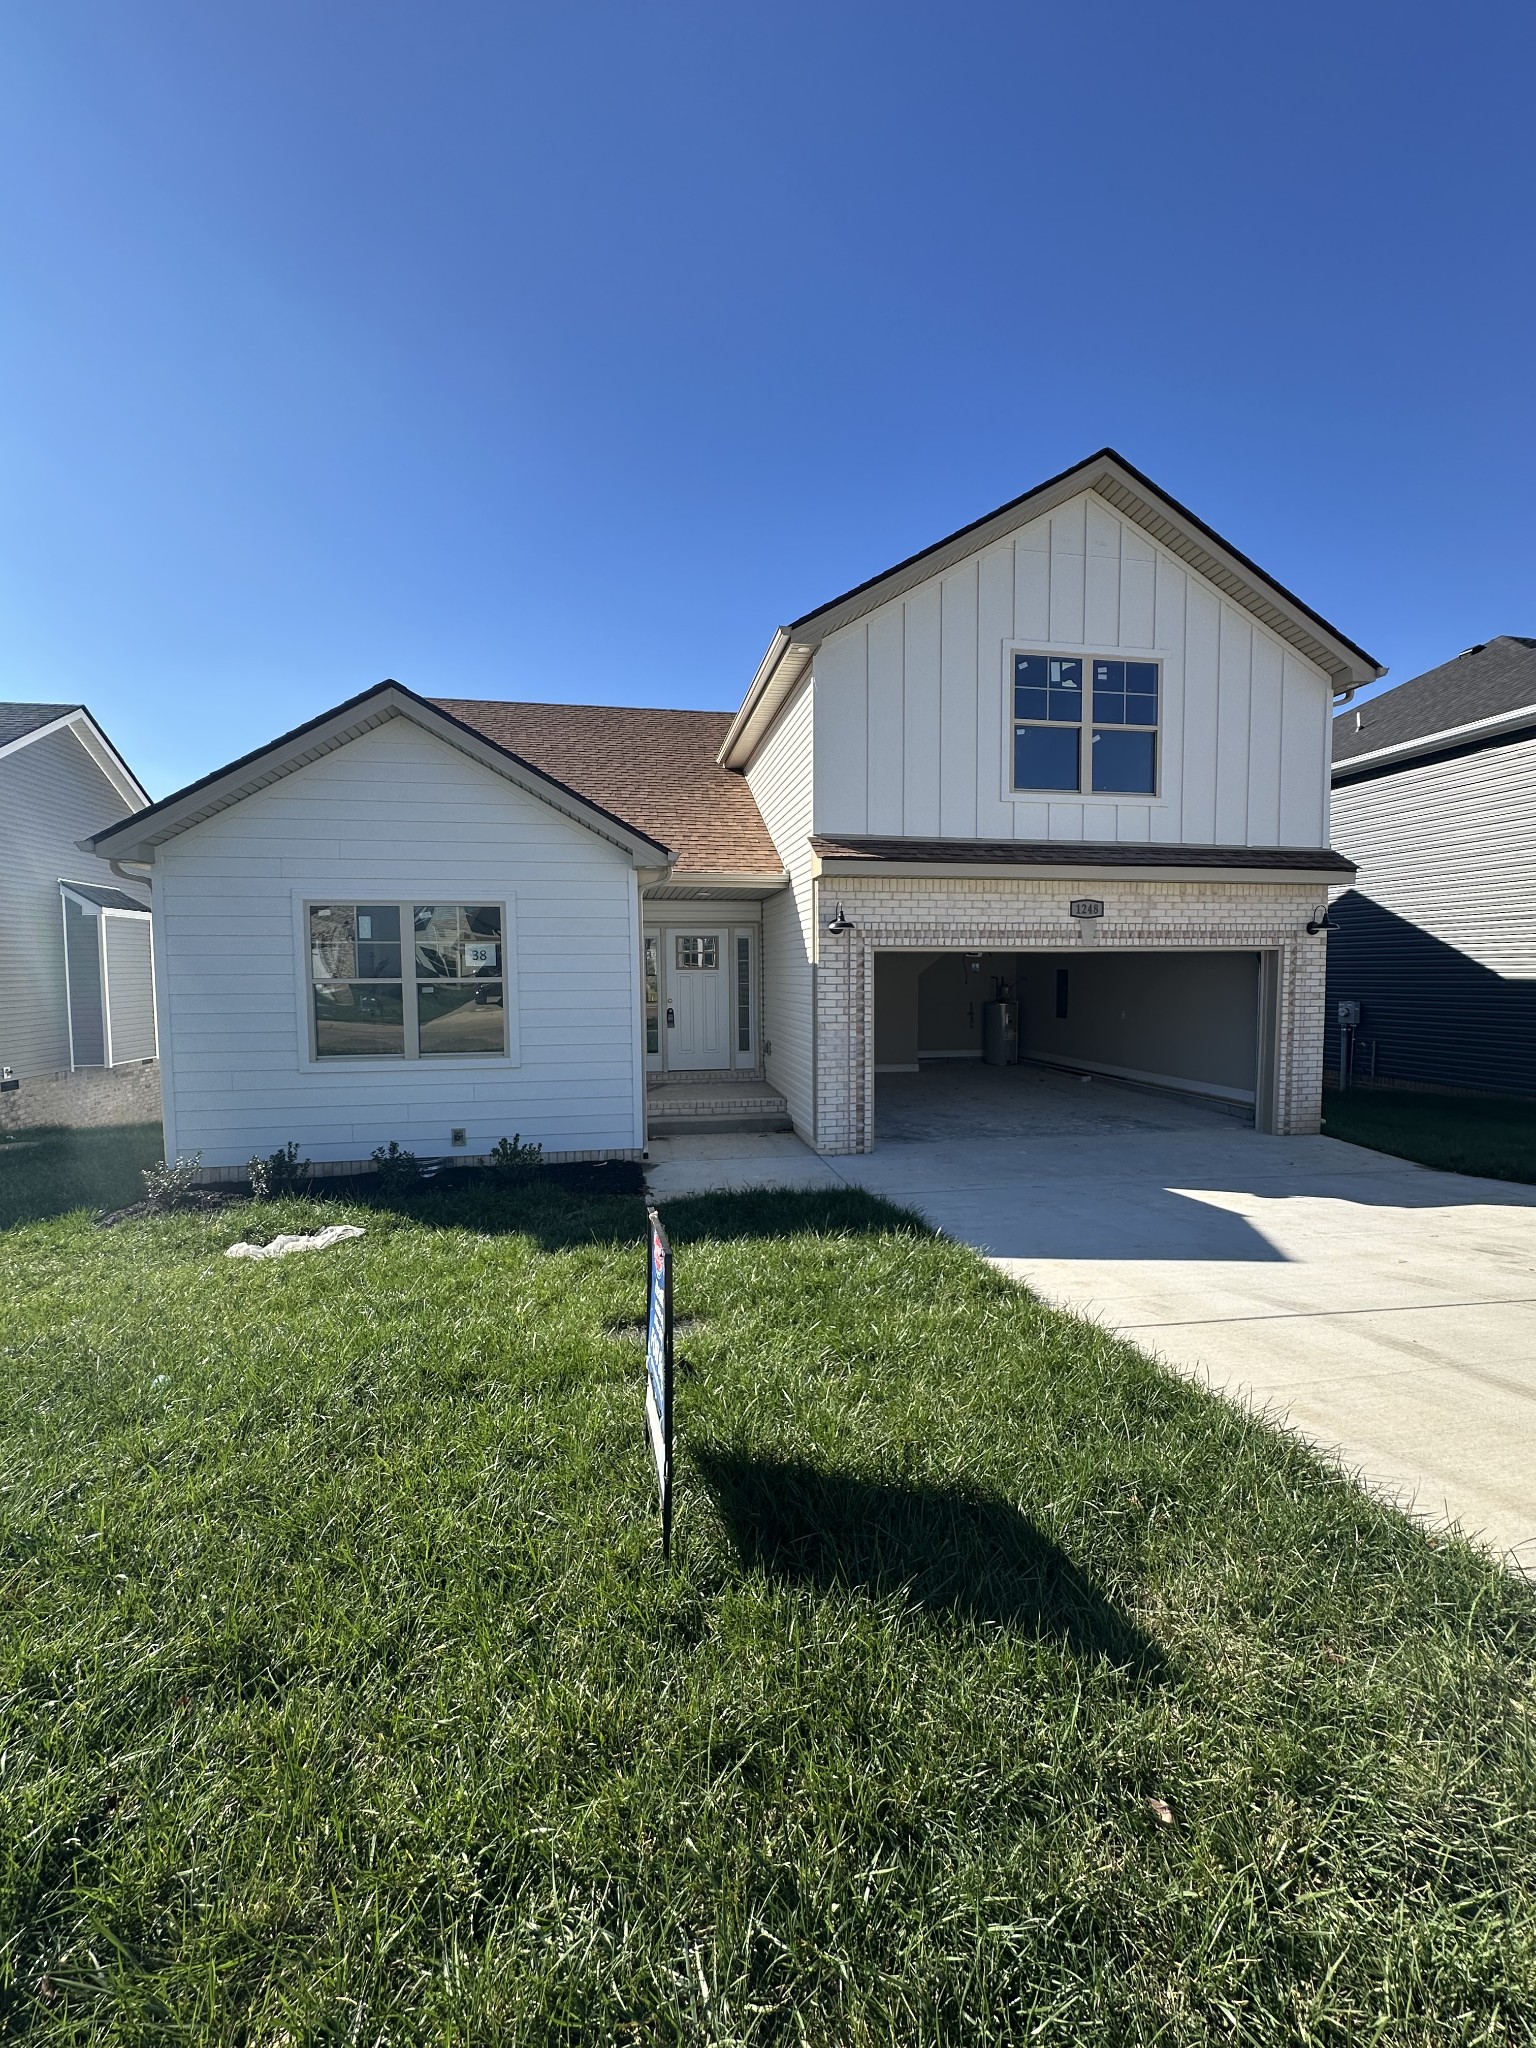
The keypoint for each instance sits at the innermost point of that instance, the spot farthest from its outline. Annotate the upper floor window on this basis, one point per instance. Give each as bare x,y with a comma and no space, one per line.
1055,721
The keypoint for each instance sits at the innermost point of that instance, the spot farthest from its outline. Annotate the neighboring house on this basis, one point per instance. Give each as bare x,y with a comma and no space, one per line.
76,987
1434,799
1080,748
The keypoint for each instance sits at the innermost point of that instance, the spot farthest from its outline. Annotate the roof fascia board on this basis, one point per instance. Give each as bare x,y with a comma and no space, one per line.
1432,742
38,732
96,744
1139,499
729,878
110,761
756,714
1063,871
136,838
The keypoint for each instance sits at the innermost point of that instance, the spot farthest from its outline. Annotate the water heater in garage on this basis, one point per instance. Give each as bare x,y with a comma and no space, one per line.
1000,1034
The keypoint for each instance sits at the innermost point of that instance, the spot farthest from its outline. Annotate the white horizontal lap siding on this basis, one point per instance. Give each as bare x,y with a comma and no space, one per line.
51,795
234,990
913,726
780,777
1451,848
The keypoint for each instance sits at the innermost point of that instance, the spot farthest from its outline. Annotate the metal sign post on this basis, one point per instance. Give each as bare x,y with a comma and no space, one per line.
658,1371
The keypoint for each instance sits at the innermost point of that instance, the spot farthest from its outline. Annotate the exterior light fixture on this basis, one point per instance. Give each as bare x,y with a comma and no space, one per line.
1318,924
840,924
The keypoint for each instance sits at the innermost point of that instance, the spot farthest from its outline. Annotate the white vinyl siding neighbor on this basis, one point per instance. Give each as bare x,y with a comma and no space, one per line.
52,794
914,724
780,776
395,815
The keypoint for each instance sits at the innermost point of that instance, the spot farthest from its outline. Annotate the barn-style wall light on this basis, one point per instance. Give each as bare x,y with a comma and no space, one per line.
840,924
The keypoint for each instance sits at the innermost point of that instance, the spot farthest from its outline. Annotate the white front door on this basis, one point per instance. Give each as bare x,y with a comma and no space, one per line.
697,1023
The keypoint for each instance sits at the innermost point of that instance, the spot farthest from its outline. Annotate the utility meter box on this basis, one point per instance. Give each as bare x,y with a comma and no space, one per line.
1349,1013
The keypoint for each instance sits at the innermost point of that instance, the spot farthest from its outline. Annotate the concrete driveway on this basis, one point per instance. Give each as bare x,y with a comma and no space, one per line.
1386,1311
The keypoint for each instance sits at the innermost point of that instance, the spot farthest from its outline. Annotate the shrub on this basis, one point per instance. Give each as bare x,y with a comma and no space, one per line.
171,1185
396,1167
281,1173
512,1160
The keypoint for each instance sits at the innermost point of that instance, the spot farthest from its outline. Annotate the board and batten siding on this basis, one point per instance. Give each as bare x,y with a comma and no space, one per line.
51,795
779,777
913,725
394,815
1437,939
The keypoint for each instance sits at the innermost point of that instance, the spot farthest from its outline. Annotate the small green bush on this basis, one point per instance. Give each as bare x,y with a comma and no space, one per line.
513,1161
397,1168
281,1173
172,1184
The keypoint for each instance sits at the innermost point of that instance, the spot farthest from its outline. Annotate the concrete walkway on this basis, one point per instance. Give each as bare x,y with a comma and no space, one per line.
1386,1311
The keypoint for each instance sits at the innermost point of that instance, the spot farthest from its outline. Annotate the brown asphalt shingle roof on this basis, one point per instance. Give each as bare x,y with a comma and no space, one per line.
654,769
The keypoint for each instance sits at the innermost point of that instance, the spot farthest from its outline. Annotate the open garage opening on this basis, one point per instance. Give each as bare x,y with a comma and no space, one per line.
1189,1034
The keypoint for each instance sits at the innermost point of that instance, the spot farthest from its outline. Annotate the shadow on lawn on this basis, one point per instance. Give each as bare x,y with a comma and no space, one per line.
949,1550
562,1208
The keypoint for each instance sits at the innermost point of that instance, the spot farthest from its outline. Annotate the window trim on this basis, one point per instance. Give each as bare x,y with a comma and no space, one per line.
349,891
1015,792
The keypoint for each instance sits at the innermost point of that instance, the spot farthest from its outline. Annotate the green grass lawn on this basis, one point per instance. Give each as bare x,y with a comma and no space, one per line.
49,1172
344,1697
1492,1135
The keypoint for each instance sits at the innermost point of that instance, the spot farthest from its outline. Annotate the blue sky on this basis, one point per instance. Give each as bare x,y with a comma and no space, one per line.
562,352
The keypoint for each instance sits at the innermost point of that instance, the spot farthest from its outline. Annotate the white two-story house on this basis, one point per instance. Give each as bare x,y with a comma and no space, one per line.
1074,757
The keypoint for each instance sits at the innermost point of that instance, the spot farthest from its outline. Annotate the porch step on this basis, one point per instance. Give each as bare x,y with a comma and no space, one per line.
676,1108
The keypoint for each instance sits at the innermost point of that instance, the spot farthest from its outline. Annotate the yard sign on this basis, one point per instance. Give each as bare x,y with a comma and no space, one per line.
658,1371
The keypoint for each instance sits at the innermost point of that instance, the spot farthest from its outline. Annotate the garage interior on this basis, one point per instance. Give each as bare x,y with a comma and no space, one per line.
1170,1039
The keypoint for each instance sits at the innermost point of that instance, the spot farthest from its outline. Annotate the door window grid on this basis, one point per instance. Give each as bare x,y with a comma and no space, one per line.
698,952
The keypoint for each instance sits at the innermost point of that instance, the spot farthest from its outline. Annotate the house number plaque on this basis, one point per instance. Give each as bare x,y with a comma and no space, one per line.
1086,906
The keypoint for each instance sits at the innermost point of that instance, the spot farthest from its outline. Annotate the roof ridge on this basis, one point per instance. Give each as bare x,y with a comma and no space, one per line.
561,704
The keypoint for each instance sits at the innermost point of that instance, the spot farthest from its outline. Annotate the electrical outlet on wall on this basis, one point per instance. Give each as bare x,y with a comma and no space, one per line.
457,1135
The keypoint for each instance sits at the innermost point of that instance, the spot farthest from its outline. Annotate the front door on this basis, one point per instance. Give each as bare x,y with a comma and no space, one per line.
697,1019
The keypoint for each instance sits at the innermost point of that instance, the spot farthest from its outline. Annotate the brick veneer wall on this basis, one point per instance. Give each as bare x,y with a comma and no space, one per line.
1007,916
88,1099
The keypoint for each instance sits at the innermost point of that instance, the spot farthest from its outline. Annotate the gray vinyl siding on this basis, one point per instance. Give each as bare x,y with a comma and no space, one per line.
51,795
1437,939
82,947
130,987
780,778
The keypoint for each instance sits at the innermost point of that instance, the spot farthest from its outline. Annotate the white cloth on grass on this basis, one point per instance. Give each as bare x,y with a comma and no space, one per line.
280,1247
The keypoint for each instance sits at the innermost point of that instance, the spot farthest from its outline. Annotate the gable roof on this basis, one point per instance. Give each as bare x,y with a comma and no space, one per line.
1488,690
18,720
23,724
659,768
136,838
1137,498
